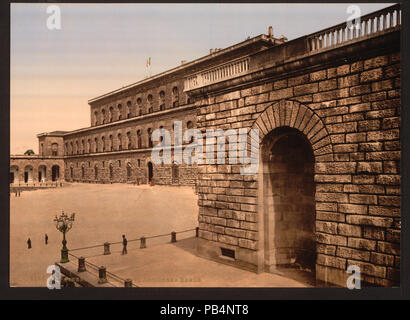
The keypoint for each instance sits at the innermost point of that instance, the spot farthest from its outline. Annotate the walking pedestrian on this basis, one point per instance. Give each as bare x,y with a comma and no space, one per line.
46,239
124,244
29,243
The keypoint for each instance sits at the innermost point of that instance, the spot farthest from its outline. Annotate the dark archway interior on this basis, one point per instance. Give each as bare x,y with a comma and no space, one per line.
55,173
150,171
291,168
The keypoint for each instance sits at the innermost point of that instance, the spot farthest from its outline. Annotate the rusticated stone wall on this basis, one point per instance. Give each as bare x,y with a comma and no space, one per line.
349,114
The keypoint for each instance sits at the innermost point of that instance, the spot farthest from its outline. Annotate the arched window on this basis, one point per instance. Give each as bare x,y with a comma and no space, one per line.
103,116
119,111
175,97
150,102
129,141
128,109
88,145
139,106
96,144
41,149
82,172
66,148
111,142
71,147
161,138
139,139
103,143
95,118
162,100
54,149
119,142
95,172
111,114
149,131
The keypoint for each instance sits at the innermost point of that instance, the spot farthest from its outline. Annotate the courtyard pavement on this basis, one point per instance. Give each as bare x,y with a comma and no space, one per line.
103,214
177,265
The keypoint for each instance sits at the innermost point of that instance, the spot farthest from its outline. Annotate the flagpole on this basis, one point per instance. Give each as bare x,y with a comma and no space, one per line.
148,65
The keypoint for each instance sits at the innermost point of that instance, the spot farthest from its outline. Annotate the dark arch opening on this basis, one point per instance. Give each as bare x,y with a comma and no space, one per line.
150,171
289,199
42,173
28,174
55,173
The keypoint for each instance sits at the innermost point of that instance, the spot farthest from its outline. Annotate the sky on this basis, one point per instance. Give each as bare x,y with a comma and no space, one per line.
103,47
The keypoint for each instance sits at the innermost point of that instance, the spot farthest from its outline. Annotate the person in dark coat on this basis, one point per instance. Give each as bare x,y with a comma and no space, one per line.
46,238
124,244
29,243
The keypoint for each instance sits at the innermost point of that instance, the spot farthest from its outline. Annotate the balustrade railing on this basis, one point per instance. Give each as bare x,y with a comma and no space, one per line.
220,73
370,25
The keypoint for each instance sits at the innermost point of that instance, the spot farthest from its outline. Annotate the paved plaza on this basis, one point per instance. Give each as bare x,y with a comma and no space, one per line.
103,214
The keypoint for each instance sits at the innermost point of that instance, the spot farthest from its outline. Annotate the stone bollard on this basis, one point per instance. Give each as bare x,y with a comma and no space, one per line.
197,232
102,275
106,248
81,264
143,243
128,283
173,236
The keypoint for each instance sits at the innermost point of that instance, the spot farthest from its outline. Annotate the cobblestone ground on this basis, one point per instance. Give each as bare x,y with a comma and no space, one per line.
103,213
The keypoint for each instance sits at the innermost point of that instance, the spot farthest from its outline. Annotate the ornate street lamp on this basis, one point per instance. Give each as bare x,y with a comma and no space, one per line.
63,224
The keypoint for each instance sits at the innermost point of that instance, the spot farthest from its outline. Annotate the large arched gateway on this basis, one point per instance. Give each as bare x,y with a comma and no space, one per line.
292,136
288,200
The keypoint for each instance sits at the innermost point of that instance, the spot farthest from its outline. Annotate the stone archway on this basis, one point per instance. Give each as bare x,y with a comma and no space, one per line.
28,174
292,138
150,171
42,173
14,175
55,173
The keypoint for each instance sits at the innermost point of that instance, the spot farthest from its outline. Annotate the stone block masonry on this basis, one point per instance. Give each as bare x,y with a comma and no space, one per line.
327,191
350,115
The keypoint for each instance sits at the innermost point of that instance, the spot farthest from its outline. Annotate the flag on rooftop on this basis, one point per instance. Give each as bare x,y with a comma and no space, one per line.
149,62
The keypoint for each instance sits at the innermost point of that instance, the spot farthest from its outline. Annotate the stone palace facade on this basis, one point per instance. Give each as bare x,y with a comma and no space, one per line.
327,106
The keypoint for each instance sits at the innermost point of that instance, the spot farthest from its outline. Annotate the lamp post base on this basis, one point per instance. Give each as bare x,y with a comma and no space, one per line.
64,256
